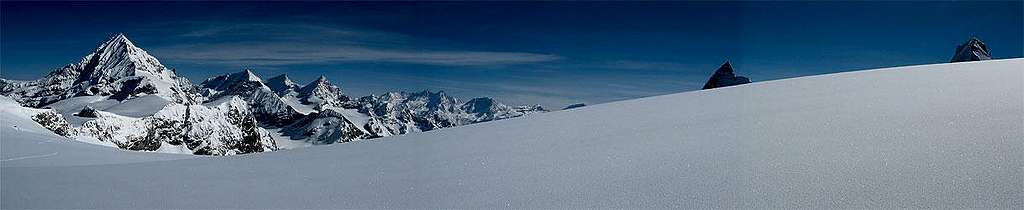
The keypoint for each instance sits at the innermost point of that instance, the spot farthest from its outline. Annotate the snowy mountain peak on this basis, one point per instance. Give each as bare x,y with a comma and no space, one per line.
247,75
972,50
725,76
321,92
225,82
117,69
281,84
118,50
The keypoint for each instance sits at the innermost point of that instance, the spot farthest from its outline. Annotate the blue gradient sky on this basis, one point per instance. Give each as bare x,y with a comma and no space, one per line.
553,54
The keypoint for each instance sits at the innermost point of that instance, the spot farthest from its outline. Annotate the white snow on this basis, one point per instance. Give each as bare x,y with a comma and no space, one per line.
931,136
286,142
24,143
140,107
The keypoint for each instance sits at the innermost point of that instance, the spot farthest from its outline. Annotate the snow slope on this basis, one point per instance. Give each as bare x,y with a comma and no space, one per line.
931,136
24,142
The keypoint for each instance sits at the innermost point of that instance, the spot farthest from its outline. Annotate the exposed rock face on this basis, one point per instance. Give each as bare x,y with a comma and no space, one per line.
282,85
724,77
321,93
116,69
573,106
223,128
266,105
972,50
56,123
331,117
88,111
325,127
401,112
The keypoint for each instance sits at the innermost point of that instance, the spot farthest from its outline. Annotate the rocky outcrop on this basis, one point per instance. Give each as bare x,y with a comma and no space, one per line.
573,106
56,123
325,127
724,77
88,111
972,50
225,127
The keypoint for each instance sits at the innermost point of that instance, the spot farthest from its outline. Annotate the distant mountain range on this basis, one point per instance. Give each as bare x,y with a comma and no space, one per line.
122,96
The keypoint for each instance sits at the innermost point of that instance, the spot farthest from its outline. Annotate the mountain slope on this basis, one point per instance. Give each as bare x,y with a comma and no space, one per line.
931,136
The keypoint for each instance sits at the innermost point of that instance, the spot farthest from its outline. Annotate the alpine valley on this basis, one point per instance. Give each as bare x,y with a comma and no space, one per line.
121,96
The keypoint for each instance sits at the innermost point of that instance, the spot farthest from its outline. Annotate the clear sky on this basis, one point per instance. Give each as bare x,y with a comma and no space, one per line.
551,53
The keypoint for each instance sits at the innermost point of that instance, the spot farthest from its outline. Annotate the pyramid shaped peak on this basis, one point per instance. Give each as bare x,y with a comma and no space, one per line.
244,75
118,40
725,76
251,75
726,68
320,81
972,50
281,84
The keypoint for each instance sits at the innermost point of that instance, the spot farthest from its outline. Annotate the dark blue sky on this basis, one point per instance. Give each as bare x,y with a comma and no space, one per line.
552,53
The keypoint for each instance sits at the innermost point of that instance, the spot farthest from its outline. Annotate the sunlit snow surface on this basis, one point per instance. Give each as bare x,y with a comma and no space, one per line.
932,136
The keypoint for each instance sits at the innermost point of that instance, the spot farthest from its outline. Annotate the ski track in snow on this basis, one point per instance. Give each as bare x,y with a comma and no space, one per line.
30,157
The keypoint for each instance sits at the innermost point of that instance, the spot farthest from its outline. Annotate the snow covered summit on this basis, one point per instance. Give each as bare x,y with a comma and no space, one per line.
117,69
321,92
282,85
972,50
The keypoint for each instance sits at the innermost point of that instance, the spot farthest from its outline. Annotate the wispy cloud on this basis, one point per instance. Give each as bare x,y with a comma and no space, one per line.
301,53
274,44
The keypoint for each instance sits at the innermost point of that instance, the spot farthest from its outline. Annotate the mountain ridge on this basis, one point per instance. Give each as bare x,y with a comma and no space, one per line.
118,72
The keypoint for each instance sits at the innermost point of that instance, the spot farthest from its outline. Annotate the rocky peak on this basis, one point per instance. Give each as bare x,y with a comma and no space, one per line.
321,92
479,105
117,68
231,81
281,84
119,57
725,76
972,50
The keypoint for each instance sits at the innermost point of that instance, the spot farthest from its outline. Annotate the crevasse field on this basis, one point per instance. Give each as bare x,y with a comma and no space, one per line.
930,136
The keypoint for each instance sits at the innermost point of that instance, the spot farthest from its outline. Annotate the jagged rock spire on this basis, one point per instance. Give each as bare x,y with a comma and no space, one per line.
972,50
725,76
